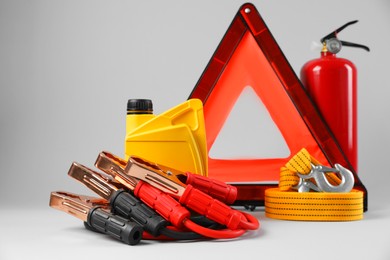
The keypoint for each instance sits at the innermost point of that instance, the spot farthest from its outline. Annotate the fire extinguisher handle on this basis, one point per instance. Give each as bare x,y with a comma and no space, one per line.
356,45
332,37
335,32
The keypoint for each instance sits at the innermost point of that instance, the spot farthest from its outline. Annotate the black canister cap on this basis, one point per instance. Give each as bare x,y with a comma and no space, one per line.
139,106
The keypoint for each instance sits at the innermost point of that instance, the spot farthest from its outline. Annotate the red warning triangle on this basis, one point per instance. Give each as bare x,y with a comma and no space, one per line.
248,55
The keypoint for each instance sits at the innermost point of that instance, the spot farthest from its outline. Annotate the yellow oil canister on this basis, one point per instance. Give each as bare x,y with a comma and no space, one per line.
175,138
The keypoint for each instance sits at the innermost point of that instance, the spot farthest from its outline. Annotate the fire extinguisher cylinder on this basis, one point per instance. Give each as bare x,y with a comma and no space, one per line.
331,82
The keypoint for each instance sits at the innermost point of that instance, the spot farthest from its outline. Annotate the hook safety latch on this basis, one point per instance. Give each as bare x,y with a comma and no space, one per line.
321,183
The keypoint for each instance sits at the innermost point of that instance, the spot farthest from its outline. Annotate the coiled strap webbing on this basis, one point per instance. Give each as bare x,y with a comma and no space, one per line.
288,204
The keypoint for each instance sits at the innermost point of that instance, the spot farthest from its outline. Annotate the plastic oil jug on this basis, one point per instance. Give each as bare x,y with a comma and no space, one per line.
175,138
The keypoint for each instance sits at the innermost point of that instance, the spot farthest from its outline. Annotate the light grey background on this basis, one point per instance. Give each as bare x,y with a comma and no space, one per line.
67,69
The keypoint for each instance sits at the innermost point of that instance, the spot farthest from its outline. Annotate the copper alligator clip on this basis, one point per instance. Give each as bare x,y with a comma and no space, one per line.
175,182
93,211
114,166
101,184
162,177
76,205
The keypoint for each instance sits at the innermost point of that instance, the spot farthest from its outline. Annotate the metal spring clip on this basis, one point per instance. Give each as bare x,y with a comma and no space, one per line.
322,184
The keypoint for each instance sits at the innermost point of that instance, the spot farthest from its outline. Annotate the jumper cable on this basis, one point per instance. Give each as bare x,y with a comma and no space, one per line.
125,204
148,174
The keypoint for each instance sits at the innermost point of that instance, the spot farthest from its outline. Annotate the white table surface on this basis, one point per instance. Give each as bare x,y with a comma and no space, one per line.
50,234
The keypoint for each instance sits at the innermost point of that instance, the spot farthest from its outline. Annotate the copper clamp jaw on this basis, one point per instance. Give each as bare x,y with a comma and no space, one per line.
95,213
74,204
162,177
114,166
101,184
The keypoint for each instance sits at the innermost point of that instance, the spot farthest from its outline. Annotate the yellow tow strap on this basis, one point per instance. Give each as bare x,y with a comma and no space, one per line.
288,204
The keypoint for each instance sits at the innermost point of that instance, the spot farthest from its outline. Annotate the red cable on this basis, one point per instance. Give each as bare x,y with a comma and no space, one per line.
251,224
211,233
236,221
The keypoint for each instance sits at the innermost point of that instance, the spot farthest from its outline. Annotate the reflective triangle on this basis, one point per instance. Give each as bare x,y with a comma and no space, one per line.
249,132
249,55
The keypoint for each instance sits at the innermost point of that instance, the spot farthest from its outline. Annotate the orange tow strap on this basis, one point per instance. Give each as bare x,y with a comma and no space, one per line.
288,204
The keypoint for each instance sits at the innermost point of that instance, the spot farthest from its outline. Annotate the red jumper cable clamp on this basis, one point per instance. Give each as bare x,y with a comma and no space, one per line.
171,209
166,179
94,212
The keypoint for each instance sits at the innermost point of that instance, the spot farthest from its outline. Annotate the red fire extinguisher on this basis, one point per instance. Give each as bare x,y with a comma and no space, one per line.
332,84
